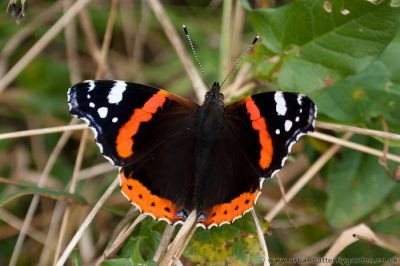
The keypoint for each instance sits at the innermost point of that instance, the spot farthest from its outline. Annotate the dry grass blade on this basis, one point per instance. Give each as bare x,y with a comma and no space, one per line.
107,39
314,249
261,238
120,239
74,180
164,242
41,43
96,170
358,130
198,84
41,131
35,200
15,222
87,222
99,72
355,146
347,238
52,232
71,47
225,40
307,176
180,240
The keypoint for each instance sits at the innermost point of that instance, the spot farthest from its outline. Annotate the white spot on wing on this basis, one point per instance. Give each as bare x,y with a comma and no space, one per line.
115,95
288,125
102,111
280,103
115,119
91,104
300,99
91,85
277,132
88,96
297,119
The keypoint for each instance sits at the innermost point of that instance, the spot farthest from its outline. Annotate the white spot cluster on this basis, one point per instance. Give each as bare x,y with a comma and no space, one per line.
281,110
280,103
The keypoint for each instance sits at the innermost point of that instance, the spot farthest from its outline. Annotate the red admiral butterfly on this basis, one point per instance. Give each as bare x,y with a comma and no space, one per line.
175,156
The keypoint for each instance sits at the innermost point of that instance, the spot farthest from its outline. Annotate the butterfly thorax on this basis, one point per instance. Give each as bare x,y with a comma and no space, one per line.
210,116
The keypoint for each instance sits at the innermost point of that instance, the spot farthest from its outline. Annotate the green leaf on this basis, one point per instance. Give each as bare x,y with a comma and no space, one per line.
358,184
318,46
44,192
76,258
373,93
118,262
224,245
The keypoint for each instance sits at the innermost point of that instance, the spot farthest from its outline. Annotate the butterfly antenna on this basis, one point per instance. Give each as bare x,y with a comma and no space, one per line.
241,58
195,55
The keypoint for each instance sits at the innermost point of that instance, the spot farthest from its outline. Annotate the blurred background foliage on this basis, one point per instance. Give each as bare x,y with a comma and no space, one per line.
344,54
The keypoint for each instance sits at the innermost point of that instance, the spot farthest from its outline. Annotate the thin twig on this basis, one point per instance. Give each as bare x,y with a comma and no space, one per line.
348,237
89,218
261,238
197,82
307,176
358,130
41,43
354,146
41,131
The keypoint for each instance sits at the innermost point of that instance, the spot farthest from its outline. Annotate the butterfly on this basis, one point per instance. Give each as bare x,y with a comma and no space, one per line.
175,156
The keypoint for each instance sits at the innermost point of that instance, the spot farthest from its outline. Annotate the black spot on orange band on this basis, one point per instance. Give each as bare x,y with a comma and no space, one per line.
227,212
147,202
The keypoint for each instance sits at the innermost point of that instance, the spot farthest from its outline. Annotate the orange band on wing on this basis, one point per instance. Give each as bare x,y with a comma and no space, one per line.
147,202
259,124
140,115
227,212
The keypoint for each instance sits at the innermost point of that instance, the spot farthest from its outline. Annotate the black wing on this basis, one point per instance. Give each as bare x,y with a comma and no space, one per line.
147,132
259,133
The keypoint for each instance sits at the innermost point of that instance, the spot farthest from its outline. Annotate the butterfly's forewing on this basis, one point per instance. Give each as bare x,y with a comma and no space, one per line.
259,132
147,132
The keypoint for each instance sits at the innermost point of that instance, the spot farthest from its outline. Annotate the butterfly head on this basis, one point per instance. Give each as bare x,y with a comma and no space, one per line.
214,95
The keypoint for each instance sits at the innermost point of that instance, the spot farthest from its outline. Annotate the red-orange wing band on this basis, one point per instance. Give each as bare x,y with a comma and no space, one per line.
259,124
229,212
147,202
